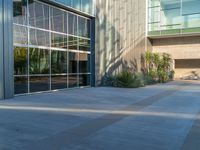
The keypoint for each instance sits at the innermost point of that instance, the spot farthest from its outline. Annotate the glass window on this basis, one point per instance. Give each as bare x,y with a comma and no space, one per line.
82,27
20,34
170,19
65,2
73,81
72,24
58,40
191,13
84,80
154,26
39,15
154,3
39,83
39,37
191,21
39,61
58,82
190,7
72,43
58,20
73,62
20,11
58,62
84,63
53,50
20,61
154,15
21,85
84,44
76,4
87,6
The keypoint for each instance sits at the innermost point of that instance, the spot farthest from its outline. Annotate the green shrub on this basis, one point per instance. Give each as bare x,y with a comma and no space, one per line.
138,80
171,75
109,80
163,76
153,74
159,67
148,80
127,79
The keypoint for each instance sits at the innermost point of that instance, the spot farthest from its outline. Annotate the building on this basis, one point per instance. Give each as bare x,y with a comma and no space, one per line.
50,45
174,27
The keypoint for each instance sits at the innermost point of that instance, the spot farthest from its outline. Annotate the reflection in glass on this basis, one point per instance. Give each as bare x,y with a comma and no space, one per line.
39,37
65,2
72,43
58,82
84,45
21,85
72,81
39,15
39,61
20,34
84,80
87,6
45,59
84,63
72,24
58,40
83,27
20,61
58,20
19,11
73,62
39,83
76,4
58,62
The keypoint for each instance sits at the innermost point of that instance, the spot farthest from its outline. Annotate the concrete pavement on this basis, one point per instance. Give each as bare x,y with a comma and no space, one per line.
158,117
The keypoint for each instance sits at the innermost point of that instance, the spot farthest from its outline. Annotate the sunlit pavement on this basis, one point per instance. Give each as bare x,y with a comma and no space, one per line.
158,117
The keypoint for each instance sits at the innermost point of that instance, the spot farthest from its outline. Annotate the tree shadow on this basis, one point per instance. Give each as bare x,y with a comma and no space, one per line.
113,52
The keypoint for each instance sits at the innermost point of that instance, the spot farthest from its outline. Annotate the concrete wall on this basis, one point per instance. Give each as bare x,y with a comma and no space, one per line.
186,53
120,35
179,48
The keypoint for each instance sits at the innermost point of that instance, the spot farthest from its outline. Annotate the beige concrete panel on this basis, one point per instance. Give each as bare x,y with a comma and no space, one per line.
120,35
179,48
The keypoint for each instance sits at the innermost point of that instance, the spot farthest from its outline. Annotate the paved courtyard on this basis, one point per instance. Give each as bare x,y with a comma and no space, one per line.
158,117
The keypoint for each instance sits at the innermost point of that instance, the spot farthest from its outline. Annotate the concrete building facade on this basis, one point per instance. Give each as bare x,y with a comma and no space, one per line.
174,27
49,45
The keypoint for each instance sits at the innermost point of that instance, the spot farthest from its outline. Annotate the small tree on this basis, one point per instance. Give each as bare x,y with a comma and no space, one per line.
149,60
159,66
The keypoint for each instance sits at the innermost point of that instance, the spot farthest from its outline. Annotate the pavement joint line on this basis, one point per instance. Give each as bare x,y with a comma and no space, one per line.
192,139
77,134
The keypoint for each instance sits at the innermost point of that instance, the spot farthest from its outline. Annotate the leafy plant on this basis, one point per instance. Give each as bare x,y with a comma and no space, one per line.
159,67
109,80
125,79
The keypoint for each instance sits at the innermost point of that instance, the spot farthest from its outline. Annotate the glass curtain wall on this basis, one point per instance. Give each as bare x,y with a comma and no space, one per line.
51,48
171,17
86,6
